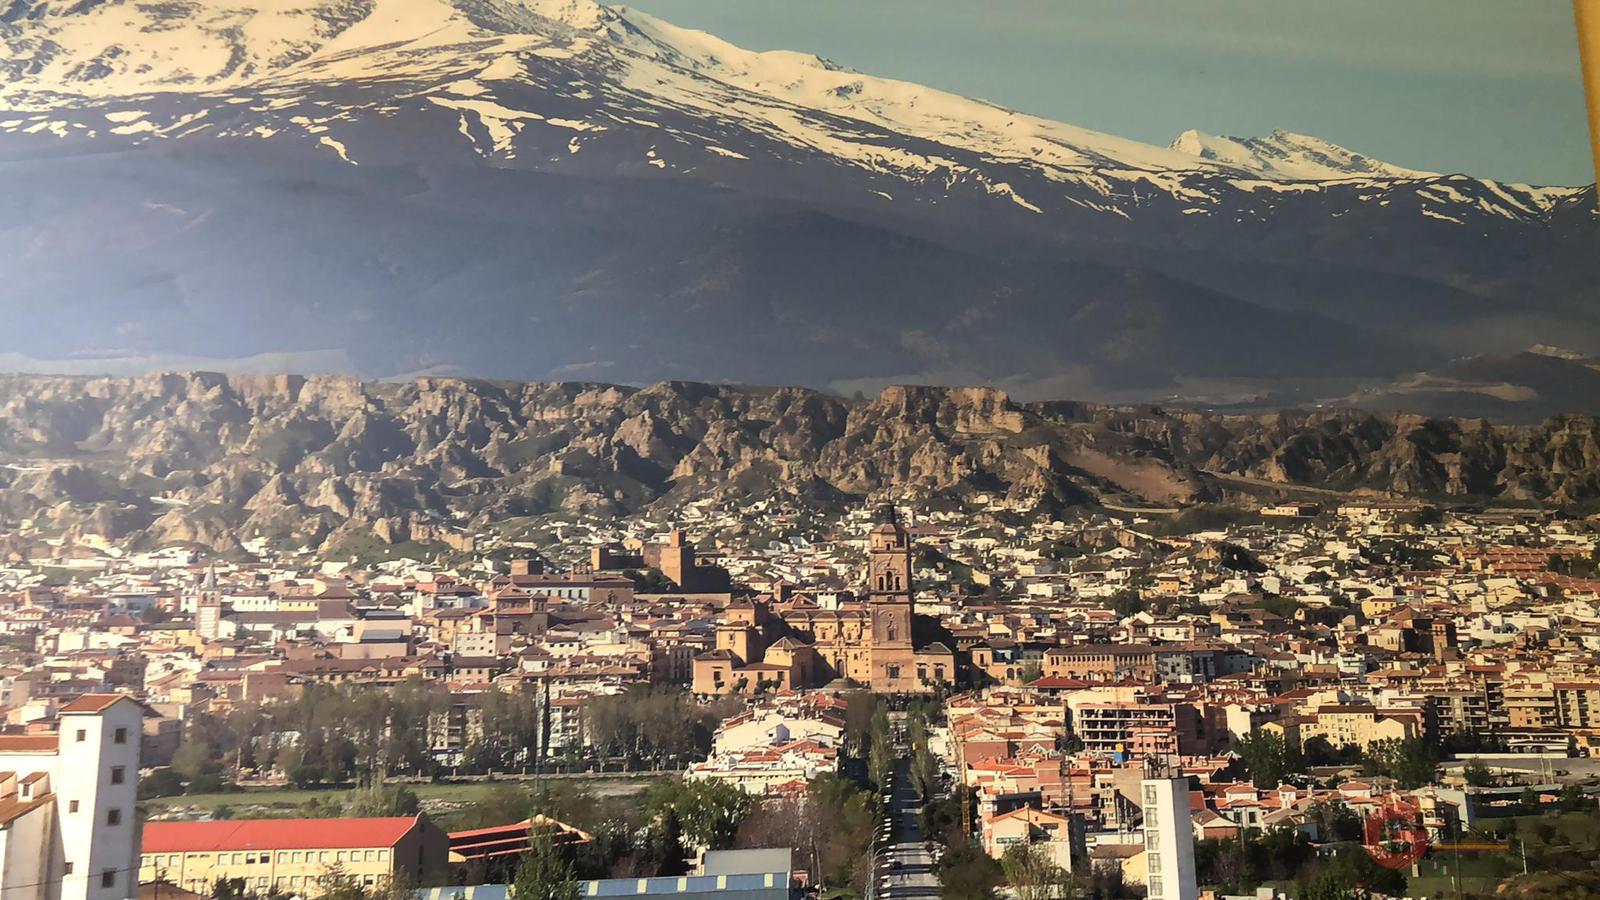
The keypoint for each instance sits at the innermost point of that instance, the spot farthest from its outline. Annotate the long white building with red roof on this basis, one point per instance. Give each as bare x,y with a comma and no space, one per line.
292,856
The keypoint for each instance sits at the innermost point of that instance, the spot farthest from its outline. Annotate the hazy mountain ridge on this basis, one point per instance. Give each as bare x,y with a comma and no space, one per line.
557,189
216,459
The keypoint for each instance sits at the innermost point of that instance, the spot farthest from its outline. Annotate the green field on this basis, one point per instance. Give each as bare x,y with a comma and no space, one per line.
443,802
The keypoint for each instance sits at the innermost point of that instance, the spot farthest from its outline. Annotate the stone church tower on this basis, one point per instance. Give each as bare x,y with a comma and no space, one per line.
889,606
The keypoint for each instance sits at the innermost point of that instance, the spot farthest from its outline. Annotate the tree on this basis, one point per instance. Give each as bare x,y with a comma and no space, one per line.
544,874
160,783
1410,762
860,707
208,783
709,809
880,750
1318,751
1105,882
830,827
1529,799
1335,821
1031,873
1268,757
1032,671
653,723
1238,559
968,873
1125,603
1347,874
1573,799
844,818
1476,773
382,801
925,773
193,758
336,885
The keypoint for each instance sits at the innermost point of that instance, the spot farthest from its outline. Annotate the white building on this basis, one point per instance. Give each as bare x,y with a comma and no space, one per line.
69,828
1168,840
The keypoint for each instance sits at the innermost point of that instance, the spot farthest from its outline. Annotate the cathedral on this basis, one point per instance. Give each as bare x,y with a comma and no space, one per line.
790,642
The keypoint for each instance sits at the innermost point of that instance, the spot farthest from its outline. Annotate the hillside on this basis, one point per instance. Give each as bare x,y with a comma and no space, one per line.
217,459
558,190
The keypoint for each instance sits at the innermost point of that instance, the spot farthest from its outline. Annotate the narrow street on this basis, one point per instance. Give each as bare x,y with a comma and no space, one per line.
905,870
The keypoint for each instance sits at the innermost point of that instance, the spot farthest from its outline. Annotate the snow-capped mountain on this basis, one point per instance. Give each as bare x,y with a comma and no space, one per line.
596,68
458,54
339,169
1290,156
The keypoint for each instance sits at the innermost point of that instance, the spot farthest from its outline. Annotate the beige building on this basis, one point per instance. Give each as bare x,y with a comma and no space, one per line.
1042,830
1360,724
292,856
801,645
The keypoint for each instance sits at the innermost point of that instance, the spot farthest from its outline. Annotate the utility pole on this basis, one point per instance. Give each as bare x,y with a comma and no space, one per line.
1586,13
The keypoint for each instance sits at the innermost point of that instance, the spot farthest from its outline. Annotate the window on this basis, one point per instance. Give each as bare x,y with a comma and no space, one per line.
72,806
108,878
118,774
81,736
1155,886
120,736
113,816
67,870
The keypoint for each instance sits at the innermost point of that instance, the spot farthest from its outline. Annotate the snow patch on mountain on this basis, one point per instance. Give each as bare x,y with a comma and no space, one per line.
1289,156
508,73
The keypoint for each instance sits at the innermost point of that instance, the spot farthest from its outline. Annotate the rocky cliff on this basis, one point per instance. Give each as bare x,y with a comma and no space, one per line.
215,459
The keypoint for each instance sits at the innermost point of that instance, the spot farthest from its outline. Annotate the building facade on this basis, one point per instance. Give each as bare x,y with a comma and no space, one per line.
1168,840
68,822
800,645
293,856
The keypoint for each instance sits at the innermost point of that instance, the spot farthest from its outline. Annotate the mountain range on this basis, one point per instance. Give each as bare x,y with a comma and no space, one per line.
330,462
557,189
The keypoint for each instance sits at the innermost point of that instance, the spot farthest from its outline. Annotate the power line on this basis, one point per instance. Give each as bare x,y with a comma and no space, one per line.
72,876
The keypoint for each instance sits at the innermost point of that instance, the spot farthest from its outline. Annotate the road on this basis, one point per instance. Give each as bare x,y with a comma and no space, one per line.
905,870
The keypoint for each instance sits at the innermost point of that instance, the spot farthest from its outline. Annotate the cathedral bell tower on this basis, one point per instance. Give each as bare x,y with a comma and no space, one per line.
889,584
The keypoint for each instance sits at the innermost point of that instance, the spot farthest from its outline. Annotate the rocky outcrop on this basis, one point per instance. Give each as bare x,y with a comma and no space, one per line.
216,459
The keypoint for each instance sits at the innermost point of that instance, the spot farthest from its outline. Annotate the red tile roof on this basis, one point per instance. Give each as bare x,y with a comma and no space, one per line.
93,703
12,809
28,743
275,834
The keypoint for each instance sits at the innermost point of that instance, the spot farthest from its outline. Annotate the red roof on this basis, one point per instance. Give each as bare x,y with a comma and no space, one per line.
93,703
275,834
29,743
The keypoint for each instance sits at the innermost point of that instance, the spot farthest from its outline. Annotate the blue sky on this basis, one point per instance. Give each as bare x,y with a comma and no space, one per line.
1485,87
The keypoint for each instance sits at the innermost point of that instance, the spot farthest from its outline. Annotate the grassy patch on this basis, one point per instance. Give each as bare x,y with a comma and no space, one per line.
366,548
445,802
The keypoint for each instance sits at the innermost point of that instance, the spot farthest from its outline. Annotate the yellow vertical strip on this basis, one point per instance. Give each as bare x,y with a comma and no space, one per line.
1587,15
